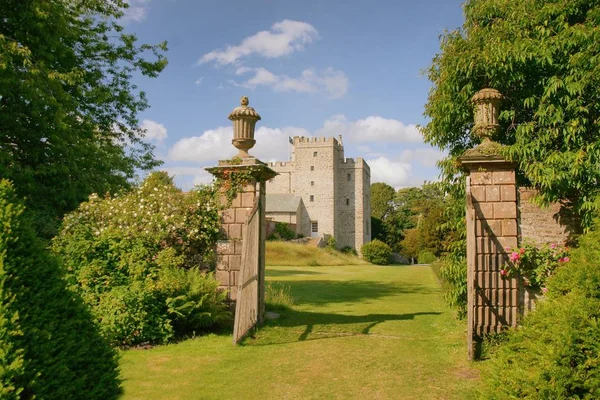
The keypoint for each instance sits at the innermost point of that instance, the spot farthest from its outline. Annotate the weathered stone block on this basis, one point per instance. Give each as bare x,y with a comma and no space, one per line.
222,262
250,187
237,202
484,211
488,227
247,200
241,215
238,247
510,242
503,177
505,210
235,263
509,227
508,193
235,231
225,247
478,193
228,216
481,178
222,277
492,193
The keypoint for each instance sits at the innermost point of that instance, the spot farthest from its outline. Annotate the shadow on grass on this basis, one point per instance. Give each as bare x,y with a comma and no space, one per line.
332,325
320,292
289,272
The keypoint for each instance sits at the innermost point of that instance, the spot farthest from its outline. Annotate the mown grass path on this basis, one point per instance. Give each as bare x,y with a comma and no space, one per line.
356,332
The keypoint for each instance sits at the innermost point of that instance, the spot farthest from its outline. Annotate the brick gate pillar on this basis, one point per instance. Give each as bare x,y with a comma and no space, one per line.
491,195
254,174
233,218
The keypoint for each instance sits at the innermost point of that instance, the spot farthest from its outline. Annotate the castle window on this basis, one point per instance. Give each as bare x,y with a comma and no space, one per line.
315,154
312,167
314,226
312,197
347,202
349,177
312,183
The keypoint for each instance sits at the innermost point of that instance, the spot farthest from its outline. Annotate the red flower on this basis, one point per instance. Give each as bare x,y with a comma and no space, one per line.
503,272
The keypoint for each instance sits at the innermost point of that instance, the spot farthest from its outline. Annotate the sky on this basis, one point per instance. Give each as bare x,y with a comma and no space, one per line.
309,68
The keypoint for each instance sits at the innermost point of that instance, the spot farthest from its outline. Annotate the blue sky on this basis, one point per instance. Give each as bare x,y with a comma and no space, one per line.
318,68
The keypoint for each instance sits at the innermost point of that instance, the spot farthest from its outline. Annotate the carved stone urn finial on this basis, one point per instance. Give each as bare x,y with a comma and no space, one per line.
487,108
244,119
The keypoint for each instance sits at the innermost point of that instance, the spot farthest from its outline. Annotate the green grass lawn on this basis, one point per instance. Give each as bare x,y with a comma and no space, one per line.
356,332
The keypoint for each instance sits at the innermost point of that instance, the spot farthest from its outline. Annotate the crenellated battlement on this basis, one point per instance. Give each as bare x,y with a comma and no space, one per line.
281,164
308,140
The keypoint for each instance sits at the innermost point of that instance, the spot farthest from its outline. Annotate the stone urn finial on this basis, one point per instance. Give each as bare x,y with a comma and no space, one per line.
487,108
244,119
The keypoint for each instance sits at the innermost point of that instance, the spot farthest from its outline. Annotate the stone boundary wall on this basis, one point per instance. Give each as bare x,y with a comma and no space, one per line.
540,225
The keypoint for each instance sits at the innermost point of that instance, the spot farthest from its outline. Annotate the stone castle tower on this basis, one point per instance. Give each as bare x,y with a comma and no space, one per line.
328,193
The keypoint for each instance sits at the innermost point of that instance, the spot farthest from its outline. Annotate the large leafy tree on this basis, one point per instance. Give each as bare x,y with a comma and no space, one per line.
68,107
544,57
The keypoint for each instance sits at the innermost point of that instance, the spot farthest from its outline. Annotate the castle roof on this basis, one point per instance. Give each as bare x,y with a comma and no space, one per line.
282,202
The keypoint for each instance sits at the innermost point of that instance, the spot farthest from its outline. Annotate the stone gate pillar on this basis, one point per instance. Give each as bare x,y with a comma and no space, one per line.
254,174
493,301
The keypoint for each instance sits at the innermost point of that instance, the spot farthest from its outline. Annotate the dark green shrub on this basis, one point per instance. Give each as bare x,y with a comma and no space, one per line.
349,250
134,259
554,354
49,345
426,257
377,252
283,231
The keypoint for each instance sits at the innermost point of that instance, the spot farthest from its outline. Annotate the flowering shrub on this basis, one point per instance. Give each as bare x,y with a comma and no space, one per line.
136,259
535,265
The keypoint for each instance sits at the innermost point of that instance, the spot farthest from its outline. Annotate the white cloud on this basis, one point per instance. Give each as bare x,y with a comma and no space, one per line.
284,38
199,80
330,81
427,156
189,176
154,130
137,10
215,144
371,129
394,173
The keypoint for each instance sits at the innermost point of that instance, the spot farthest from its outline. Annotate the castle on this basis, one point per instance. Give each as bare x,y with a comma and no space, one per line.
320,192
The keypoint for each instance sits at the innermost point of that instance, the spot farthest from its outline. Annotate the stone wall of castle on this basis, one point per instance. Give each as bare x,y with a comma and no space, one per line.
335,190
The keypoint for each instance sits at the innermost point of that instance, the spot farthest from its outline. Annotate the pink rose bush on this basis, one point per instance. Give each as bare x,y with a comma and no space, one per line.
534,265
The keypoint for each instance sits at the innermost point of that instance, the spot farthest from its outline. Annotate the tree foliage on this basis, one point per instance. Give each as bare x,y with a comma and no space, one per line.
543,56
49,346
68,108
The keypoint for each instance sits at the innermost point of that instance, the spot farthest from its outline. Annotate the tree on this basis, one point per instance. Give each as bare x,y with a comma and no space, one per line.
543,57
68,109
382,196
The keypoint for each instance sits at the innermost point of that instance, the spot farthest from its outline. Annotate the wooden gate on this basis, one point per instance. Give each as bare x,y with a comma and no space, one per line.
248,305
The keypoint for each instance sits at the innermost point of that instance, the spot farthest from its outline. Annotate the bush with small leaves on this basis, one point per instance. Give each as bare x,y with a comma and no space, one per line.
426,257
50,347
377,252
135,260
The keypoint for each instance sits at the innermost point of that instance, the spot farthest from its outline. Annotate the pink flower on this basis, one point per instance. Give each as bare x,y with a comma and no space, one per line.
503,272
514,256
544,290
553,246
507,248
564,259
